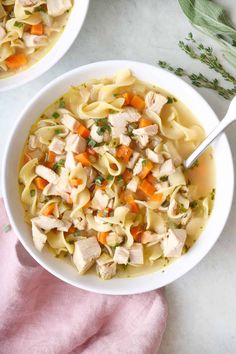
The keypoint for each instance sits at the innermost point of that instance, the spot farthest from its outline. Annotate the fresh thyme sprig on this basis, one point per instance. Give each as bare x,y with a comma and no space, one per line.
199,80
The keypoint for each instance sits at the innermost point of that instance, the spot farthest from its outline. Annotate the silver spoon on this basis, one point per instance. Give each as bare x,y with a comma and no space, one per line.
229,118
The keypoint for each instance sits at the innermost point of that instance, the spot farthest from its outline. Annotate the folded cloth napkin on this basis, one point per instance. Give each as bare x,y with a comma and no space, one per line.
40,314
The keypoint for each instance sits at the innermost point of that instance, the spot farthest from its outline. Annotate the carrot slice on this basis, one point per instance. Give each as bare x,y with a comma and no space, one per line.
82,130
72,229
102,186
157,197
127,175
137,102
128,97
51,156
83,158
37,29
134,208
92,152
49,210
151,178
144,122
16,61
146,169
124,153
40,183
75,182
102,237
147,188
136,232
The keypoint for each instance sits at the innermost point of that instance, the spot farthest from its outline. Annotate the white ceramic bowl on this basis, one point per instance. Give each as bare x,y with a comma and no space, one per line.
62,45
224,171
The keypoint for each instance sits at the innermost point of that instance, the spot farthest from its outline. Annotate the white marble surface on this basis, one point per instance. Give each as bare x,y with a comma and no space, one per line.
202,311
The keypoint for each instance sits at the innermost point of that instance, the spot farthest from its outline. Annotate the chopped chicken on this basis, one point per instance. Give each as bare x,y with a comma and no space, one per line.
91,175
133,159
58,7
86,252
57,146
173,244
49,222
133,184
100,200
154,157
94,134
136,254
80,223
69,122
128,115
28,2
117,131
121,255
2,33
125,139
70,162
155,101
47,174
50,189
113,239
106,267
75,143
149,236
167,168
150,130
143,140
34,41
138,167
39,238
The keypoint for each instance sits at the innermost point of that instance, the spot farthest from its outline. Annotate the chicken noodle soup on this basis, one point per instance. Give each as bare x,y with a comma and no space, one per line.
102,180
28,29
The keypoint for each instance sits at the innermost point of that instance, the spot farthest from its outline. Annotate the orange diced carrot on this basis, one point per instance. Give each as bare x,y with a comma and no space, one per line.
124,153
144,122
102,237
16,61
72,229
83,158
37,29
137,102
87,205
26,158
128,97
146,169
75,182
49,209
151,178
136,232
40,183
157,197
147,188
51,156
127,175
82,130
134,208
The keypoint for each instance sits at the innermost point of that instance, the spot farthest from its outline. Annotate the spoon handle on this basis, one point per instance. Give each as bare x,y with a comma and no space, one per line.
228,119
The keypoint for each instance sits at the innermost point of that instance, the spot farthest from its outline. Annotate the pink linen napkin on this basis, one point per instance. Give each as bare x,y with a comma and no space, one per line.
39,314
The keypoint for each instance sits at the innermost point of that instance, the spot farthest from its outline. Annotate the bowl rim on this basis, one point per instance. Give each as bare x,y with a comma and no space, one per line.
107,290
53,55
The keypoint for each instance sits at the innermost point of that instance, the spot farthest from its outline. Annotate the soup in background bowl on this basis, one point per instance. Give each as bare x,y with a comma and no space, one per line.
102,181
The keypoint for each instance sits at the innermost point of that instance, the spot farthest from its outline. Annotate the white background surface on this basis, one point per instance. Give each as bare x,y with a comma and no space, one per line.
202,310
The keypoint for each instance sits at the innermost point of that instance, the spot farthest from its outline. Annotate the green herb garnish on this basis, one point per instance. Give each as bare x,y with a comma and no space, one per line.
6,228
62,103
55,115
58,131
28,12
120,180
60,163
213,193
18,24
98,180
110,177
32,193
163,178
182,208
91,142
144,162
193,204
169,100
39,8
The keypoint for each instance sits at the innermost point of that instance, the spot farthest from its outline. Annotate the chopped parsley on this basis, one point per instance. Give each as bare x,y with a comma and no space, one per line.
164,178
76,233
32,193
110,177
213,193
193,204
55,115
98,180
18,24
60,163
58,131
120,180
182,208
165,204
28,12
6,228
115,94
171,99
40,8
144,162
91,142
62,103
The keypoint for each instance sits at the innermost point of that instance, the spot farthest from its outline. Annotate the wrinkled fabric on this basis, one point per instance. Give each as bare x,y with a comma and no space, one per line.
40,314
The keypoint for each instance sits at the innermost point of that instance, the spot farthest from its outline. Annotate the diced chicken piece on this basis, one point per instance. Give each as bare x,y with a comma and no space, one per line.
121,255
133,159
34,41
75,143
57,146
138,167
155,142
80,223
133,184
39,238
136,254
58,7
91,175
47,174
173,244
150,130
129,115
167,168
143,140
113,239
2,33
155,101
34,142
69,122
49,222
100,200
70,162
149,236
154,157
125,139
28,2
85,253
93,132
50,189
117,131
106,267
